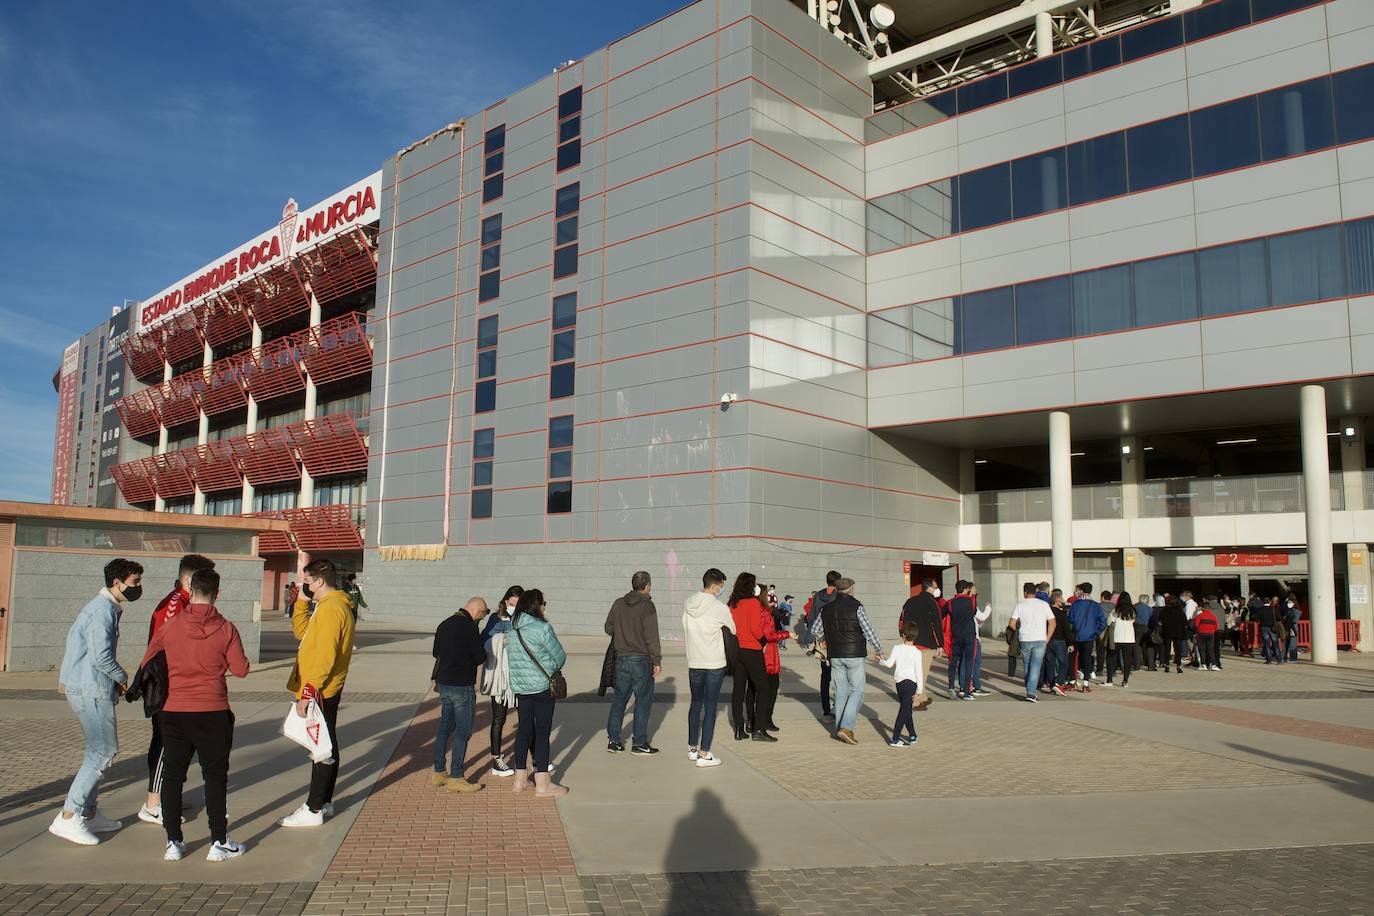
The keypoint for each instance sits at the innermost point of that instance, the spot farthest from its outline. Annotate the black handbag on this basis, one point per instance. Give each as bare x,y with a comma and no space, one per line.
558,685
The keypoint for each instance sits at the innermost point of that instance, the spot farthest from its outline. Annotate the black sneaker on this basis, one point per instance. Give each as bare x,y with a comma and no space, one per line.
615,747
644,750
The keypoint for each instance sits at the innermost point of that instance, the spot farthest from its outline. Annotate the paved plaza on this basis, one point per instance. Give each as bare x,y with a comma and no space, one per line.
1245,790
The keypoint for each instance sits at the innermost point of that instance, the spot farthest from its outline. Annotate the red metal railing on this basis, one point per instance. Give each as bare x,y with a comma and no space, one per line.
175,401
318,528
143,355
212,467
223,319
265,457
336,349
343,265
329,445
274,296
181,339
274,369
170,477
221,387
133,481
138,413
1347,634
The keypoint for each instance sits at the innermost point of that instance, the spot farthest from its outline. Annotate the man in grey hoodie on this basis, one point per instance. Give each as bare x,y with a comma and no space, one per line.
632,625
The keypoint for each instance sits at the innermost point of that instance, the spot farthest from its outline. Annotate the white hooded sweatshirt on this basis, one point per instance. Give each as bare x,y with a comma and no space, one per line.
702,618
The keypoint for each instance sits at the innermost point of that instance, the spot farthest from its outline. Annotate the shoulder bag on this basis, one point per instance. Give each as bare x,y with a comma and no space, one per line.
558,685
731,647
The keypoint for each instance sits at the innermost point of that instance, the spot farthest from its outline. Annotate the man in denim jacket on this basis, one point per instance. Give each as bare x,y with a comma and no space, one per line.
92,680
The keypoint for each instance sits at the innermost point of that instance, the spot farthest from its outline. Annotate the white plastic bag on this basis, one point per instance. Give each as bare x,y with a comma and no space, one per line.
309,731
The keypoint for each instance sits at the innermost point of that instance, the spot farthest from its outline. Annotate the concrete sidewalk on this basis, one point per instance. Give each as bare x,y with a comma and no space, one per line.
1248,758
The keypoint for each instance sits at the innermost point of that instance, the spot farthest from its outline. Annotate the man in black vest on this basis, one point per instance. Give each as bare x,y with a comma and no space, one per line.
845,631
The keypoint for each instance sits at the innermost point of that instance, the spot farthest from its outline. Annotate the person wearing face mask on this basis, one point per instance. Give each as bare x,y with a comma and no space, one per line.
703,616
923,610
91,679
321,667
1291,615
200,646
496,675
176,601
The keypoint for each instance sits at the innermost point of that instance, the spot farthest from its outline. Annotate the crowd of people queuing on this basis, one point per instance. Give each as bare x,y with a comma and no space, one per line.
515,659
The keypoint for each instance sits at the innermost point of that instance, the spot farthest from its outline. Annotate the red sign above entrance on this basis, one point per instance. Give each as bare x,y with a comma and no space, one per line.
1250,559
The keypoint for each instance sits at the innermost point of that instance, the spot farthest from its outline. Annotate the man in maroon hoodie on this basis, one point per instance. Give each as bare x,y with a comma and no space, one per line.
200,646
167,609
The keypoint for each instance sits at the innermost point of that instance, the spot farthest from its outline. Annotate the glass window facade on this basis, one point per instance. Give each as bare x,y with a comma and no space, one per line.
1210,19
1302,118
1292,268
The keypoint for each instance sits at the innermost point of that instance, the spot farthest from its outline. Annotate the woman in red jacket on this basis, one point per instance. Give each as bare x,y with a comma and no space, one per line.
749,614
769,637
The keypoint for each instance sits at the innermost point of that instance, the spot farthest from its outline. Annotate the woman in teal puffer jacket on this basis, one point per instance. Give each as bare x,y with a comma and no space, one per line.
533,655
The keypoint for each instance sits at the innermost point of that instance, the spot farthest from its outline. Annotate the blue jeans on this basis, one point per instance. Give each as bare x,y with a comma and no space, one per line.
457,705
1291,647
96,713
701,715
849,677
1271,650
977,664
633,674
1056,663
961,665
1033,654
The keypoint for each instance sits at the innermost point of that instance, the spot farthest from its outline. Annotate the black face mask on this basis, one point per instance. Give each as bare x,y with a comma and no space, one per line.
133,593
306,591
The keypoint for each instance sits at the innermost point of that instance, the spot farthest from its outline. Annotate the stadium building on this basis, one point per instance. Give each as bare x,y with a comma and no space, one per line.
1060,290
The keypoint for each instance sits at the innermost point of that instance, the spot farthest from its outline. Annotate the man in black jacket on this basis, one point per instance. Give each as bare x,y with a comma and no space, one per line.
458,652
923,610
632,625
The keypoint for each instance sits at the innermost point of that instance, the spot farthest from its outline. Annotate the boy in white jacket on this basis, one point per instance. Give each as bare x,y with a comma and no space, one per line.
702,618
905,662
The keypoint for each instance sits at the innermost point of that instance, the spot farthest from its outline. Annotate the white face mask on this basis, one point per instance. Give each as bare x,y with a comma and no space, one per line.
935,593
758,590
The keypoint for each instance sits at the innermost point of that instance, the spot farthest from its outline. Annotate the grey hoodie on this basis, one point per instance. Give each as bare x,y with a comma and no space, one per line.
632,625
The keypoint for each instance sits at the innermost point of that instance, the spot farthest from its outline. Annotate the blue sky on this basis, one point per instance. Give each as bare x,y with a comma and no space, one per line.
138,142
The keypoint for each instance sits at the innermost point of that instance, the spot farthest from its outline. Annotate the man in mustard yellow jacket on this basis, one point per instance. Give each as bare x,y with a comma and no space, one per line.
321,667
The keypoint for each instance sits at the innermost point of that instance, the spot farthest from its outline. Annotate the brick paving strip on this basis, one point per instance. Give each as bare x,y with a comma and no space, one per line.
409,829
1301,880
1262,721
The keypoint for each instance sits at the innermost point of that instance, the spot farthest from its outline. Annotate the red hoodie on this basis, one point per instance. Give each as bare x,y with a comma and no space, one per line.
1206,622
201,646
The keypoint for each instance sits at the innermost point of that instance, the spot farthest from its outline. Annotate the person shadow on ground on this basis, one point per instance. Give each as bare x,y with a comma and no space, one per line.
708,831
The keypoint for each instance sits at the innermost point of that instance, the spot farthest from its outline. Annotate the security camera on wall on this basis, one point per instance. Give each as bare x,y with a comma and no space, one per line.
727,399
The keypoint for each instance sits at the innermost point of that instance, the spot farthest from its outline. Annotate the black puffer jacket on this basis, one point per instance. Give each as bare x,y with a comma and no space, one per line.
607,671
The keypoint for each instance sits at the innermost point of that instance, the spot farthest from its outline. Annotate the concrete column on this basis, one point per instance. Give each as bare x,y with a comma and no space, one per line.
203,430
1132,476
1360,592
251,426
1061,502
1044,34
1321,573
1135,564
967,484
160,504
1352,462
307,497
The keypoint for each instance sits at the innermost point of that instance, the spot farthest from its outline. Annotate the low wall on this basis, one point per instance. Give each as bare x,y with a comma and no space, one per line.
51,588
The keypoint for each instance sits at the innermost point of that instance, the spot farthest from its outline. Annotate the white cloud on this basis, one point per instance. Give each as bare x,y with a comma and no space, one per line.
37,335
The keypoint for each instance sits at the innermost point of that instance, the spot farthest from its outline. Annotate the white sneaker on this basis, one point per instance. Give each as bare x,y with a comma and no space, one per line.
73,829
1107,684
692,754
226,850
149,816
302,817
99,823
708,760
174,851
1209,668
